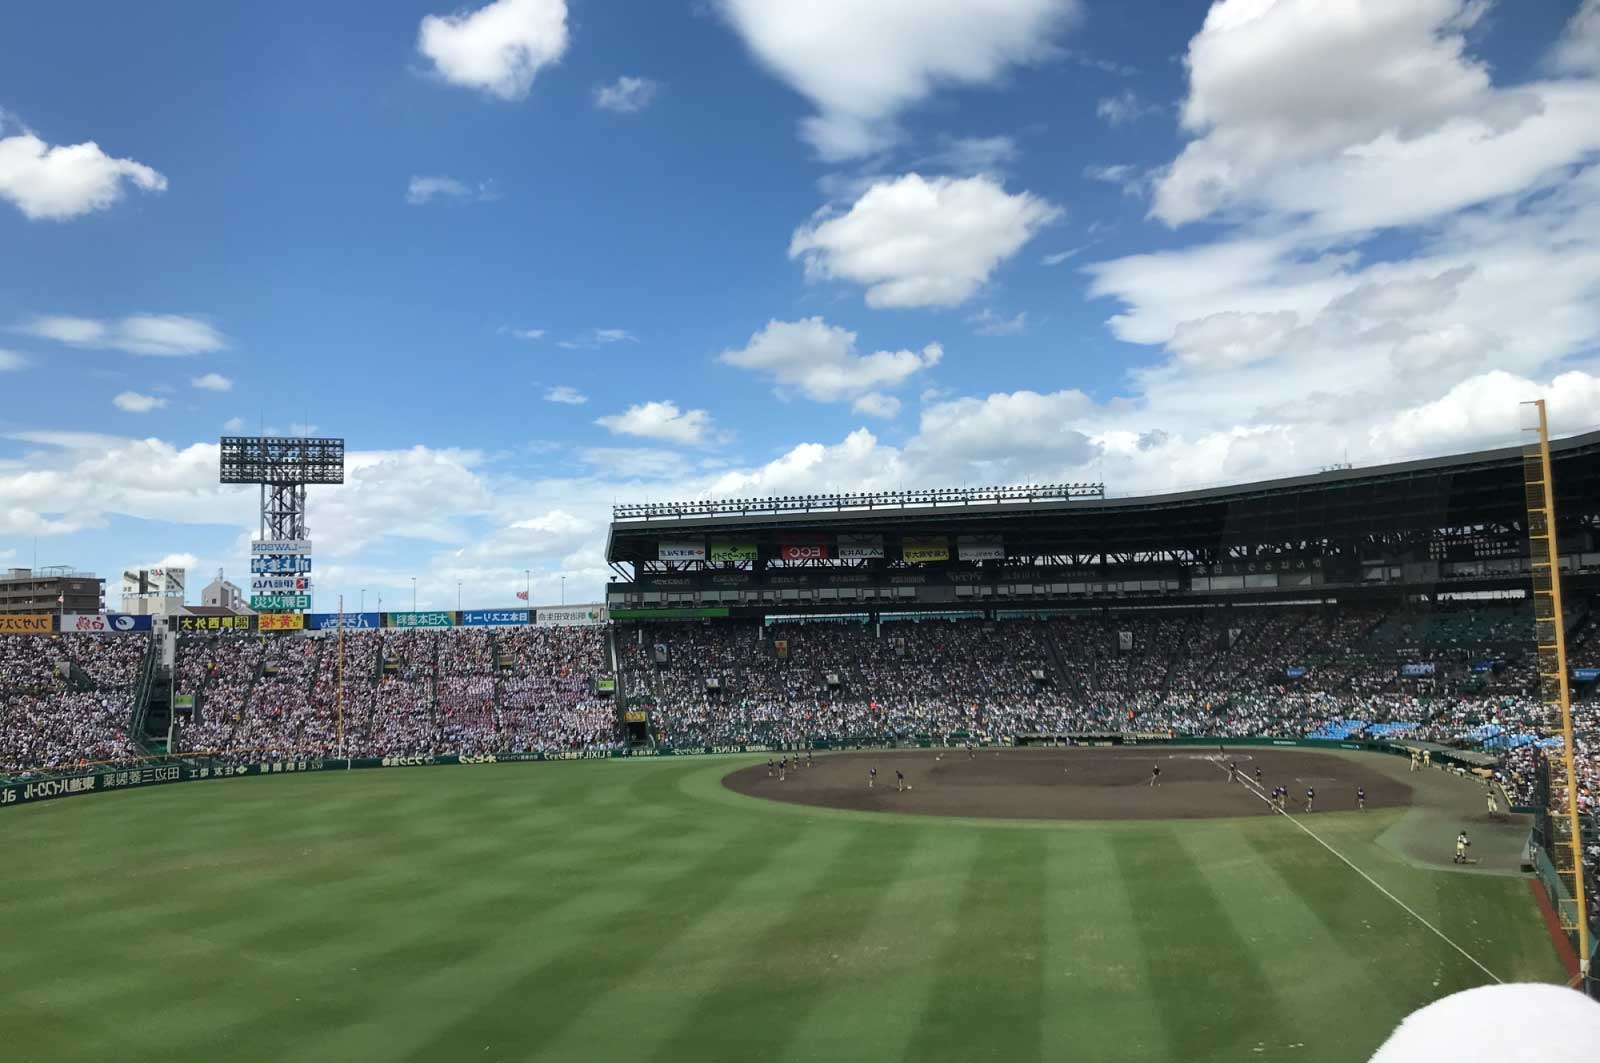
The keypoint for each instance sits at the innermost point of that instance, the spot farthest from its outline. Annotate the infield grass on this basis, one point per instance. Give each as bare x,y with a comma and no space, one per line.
638,911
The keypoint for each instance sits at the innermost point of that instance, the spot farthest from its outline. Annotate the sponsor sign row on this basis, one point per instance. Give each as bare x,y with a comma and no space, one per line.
801,547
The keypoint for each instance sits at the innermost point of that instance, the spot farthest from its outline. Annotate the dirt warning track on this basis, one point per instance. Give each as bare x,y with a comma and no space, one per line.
1075,783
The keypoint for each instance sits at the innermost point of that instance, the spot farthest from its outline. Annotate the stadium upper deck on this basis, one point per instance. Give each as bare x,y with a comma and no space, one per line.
1391,528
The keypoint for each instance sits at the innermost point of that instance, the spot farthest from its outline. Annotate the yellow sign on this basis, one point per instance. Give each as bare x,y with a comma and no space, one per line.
213,623
25,624
635,716
281,622
925,548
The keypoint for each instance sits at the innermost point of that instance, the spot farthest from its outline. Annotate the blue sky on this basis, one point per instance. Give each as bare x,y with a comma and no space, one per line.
534,257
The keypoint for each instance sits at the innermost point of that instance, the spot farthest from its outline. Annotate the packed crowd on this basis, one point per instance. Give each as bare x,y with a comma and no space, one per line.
397,693
67,700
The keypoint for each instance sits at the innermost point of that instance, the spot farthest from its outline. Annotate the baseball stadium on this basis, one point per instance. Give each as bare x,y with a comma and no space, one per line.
1018,772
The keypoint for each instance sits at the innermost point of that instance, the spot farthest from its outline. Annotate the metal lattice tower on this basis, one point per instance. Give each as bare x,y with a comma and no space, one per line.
283,466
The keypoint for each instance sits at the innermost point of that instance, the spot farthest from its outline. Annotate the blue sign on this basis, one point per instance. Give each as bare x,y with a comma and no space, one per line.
352,621
1585,675
1295,671
1483,666
128,622
1425,668
292,565
494,617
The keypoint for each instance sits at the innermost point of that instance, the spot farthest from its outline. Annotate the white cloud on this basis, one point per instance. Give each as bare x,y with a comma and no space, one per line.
421,191
1360,115
162,335
599,337
212,382
521,333
1124,108
11,361
233,424
660,420
57,182
916,241
569,396
1231,338
1579,48
821,361
1130,179
626,95
133,402
1055,258
862,64
497,49
973,155
988,323
635,462
876,404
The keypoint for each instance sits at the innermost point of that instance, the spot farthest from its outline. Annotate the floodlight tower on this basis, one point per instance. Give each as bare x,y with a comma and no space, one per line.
280,562
283,467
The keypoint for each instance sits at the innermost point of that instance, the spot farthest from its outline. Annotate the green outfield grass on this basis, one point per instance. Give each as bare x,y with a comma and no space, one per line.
638,911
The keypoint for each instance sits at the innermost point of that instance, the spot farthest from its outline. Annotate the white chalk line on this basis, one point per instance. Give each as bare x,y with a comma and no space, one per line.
1259,792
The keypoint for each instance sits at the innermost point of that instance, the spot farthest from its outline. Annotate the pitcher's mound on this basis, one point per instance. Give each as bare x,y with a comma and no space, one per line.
1077,783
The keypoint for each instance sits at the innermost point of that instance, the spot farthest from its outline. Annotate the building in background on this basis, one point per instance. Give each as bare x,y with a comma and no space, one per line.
56,589
153,591
221,594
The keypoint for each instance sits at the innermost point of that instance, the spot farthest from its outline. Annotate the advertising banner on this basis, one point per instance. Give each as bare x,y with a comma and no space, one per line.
803,551
352,621
84,622
680,551
494,617
214,623
281,546
25,624
1426,668
271,602
980,548
1585,675
281,622
281,585
861,547
571,616
419,620
733,551
920,548
280,566
1295,671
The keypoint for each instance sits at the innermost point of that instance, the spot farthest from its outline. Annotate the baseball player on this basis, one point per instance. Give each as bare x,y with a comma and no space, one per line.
1494,803
1311,796
771,767
783,768
1462,845
1155,775
1361,798
1233,771
1258,776
872,776
899,781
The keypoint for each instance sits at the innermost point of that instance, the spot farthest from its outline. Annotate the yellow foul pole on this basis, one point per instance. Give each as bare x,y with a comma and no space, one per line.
1555,688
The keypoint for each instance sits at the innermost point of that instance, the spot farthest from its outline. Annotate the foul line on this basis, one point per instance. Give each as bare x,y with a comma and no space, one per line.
1262,794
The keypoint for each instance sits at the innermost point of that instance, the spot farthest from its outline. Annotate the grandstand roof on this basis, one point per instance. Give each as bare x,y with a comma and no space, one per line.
1464,490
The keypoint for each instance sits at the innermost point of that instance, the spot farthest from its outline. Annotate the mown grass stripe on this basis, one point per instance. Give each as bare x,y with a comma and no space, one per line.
1096,999
1214,1001
991,969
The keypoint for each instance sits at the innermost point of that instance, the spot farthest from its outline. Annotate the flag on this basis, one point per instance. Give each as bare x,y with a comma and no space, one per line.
522,595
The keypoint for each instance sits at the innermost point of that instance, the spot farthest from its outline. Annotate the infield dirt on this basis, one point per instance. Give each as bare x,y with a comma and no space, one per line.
1079,782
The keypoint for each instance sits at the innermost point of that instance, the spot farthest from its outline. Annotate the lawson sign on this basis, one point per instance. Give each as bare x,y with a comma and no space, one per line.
494,618
104,623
